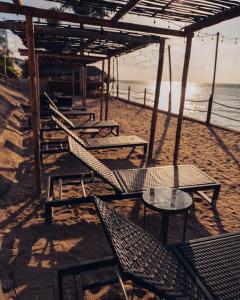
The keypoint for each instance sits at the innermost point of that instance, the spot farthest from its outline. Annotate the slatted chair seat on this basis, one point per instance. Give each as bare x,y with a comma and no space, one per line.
131,141
143,259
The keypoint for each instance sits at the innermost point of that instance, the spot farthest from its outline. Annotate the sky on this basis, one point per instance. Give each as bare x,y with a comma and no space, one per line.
142,65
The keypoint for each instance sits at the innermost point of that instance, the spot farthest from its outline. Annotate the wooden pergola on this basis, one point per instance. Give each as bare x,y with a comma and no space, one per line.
195,15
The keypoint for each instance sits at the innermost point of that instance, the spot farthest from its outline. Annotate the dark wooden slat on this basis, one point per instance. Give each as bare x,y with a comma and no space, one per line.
83,58
125,9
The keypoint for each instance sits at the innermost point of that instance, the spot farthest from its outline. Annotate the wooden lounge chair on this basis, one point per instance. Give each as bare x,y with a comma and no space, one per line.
46,114
206,268
132,182
111,126
123,141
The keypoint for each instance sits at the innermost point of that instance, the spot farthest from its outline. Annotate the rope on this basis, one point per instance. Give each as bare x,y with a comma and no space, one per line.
196,100
132,96
203,111
225,117
238,108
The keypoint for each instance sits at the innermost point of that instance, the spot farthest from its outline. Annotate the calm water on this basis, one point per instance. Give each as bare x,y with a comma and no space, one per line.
226,94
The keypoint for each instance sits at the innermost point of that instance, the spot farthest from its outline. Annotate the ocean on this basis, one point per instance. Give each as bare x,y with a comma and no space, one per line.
226,106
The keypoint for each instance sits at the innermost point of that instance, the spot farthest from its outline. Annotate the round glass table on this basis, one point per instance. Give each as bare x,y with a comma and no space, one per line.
167,201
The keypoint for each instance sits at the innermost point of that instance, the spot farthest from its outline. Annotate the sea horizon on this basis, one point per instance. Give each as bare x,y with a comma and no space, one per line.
226,100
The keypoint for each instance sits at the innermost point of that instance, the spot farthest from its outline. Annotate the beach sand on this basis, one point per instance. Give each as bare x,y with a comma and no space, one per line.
31,250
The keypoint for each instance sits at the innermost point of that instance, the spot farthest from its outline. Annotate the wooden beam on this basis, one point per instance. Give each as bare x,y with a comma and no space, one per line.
66,56
32,67
108,89
125,9
228,14
182,100
156,100
18,2
74,18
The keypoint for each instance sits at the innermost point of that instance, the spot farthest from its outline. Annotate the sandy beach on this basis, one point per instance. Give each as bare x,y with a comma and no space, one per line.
31,250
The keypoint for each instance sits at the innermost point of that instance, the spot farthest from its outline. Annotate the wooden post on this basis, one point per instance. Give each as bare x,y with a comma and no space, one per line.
108,89
182,100
81,83
84,85
129,90
210,102
170,79
113,77
34,100
38,83
156,99
145,96
73,85
102,91
117,78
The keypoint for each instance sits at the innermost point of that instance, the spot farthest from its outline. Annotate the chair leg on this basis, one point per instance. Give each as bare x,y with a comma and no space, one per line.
48,213
122,286
215,196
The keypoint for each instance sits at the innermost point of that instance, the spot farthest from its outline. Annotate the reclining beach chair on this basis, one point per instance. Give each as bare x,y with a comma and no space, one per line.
206,268
66,112
130,183
111,126
123,141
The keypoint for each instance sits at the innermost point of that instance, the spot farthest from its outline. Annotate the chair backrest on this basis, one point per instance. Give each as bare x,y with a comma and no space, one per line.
70,132
94,164
60,115
143,259
50,101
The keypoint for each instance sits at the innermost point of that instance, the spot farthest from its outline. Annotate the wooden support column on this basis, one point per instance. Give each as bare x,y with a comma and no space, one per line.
84,86
117,78
170,79
73,85
210,103
129,91
108,89
156,100
32,67
182,100
102,91
38,82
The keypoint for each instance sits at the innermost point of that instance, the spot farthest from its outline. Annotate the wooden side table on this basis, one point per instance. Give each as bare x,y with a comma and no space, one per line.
167,201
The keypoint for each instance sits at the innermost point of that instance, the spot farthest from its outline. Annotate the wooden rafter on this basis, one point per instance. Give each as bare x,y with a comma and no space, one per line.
74,18
125,9
224,16
83,33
